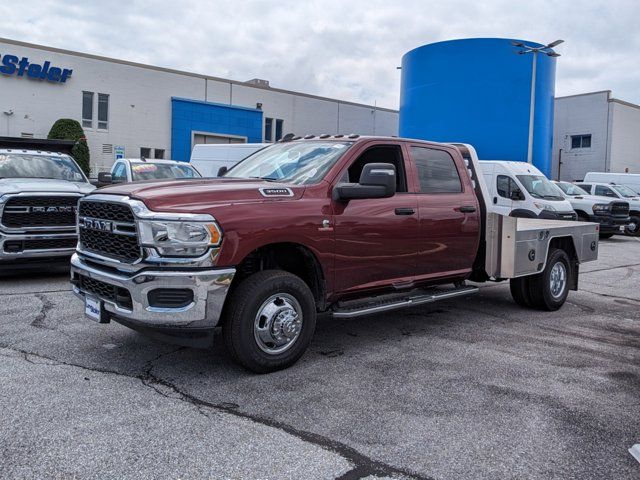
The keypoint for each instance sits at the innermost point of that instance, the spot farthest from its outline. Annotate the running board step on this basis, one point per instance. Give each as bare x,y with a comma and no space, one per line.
376,305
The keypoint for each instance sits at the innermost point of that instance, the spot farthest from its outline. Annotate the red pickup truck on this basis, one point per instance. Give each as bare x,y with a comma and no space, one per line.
346,225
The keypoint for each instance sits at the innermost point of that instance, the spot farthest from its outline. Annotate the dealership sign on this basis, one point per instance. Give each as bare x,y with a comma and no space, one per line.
21,67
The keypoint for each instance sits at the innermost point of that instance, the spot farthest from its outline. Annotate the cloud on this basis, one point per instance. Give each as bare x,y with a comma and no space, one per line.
347,50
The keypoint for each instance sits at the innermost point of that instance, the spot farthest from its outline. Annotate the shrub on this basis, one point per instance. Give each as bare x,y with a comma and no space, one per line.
68,129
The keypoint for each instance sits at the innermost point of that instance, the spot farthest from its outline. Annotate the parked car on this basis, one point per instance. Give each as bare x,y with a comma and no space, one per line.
39,193
210,158
620,192
344,225
631,180
612,216
138,169
521,190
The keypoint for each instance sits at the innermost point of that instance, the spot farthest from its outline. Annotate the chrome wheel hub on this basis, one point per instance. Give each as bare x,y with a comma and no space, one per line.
278,323
558,280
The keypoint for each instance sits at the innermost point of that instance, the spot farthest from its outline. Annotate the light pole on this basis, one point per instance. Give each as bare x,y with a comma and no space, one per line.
545,50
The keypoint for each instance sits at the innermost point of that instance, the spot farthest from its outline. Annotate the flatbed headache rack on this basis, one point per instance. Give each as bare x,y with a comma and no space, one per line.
512,247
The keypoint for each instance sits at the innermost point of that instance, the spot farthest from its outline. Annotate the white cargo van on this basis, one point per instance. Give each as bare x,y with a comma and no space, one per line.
519,189
631,180
208,158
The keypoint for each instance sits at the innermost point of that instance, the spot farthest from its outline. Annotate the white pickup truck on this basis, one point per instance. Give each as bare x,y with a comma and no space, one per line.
39,193
126,170
612,215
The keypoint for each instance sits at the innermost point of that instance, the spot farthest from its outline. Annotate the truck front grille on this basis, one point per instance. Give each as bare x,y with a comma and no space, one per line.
108,229
620,209
40,211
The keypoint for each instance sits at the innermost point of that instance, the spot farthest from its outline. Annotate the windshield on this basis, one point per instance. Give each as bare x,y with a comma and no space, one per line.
626,192
299,163
22,165
571,189
539,186
159,171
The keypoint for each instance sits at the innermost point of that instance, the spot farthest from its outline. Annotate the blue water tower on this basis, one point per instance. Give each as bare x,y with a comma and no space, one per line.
478,91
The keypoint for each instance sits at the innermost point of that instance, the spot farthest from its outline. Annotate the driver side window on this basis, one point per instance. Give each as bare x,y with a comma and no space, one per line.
379,154
506,186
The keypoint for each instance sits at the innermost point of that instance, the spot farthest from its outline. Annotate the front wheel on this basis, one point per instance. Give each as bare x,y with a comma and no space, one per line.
269,321
633,229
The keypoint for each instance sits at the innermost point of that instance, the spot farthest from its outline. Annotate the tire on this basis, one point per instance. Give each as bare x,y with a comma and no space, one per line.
606,235
635,231
281,297
520,291
582,217
540,285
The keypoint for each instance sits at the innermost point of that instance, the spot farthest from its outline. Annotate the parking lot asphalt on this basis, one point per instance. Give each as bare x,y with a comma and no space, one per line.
476,388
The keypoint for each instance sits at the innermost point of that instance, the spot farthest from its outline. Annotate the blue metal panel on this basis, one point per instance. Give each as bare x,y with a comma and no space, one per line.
188,116
478,91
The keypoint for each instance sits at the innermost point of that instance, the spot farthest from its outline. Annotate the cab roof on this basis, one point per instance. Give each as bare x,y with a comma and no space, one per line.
43,153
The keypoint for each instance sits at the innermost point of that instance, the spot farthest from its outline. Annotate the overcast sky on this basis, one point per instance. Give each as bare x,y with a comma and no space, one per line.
343,49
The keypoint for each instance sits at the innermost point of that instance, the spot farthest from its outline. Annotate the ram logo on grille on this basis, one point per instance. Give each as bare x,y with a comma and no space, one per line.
96,224
62,209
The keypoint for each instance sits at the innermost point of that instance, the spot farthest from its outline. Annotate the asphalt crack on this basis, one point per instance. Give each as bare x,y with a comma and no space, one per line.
363,466
41,318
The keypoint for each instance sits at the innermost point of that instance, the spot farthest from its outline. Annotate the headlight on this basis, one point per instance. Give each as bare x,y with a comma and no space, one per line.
179,238
544,206
601,207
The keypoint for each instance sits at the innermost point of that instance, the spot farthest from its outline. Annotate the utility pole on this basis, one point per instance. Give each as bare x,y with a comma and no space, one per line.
546,50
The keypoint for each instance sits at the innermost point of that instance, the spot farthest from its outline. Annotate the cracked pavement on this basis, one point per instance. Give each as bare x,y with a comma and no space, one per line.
475,388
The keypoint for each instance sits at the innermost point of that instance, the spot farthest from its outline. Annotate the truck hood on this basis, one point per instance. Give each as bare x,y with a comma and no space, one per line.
596,198
196,194
46,185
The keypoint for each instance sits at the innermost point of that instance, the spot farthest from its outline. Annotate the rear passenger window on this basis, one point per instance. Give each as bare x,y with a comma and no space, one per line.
437,171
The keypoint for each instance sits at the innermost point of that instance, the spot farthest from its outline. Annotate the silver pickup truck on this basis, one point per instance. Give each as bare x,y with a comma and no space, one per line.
39,193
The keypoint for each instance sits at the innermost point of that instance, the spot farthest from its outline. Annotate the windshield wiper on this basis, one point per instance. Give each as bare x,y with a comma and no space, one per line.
268,179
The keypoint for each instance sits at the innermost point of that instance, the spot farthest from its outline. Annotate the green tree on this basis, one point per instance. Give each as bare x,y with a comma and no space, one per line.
68,129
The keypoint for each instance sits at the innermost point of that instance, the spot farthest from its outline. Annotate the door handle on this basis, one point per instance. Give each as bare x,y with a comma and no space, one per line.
405,211
495,200
467,209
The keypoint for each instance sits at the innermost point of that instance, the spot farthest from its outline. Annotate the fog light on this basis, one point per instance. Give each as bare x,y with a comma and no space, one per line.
170,297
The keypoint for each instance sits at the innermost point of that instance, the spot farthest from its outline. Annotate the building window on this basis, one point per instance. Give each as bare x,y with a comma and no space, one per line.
145,152
87,109
268,129
580,141
437,171
158,153
103,111
279,124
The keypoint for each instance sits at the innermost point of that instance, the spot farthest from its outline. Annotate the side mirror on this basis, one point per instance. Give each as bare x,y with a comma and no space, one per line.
377,180
104,178
222,170
517,195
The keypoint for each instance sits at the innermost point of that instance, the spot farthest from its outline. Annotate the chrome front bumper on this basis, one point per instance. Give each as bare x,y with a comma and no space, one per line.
210,288
43,253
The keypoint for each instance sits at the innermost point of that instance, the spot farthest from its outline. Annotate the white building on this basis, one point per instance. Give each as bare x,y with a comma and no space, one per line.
594,132
133,110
